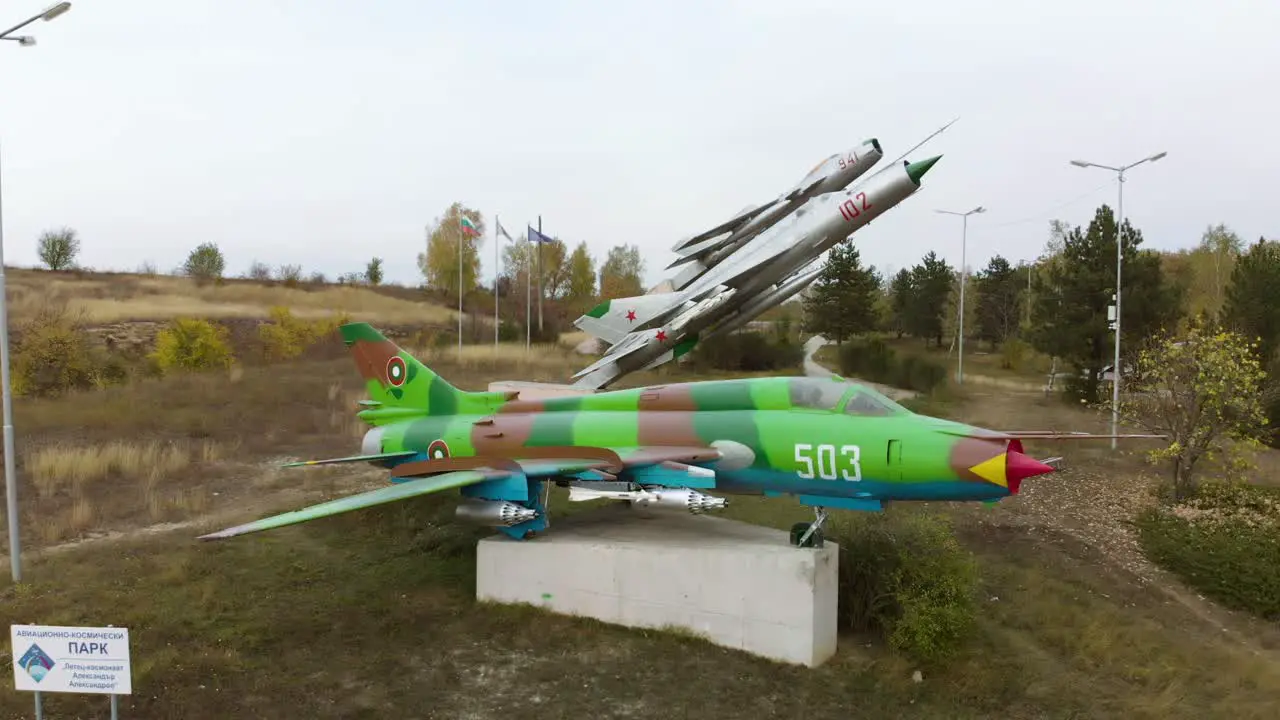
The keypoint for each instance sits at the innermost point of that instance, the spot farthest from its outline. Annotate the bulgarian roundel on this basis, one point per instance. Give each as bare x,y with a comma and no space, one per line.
396,371
437,450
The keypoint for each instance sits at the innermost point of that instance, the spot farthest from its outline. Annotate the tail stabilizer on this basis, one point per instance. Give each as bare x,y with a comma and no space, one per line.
613,319
399,385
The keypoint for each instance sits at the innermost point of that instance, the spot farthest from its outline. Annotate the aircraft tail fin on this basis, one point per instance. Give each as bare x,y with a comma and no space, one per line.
398,384
613,319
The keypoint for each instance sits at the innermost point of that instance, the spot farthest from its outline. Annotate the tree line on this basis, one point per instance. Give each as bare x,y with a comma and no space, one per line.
1058,304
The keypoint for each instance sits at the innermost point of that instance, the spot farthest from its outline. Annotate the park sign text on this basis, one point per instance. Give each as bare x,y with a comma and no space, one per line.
53,658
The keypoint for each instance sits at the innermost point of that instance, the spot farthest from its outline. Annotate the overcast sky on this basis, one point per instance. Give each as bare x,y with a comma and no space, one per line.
324,132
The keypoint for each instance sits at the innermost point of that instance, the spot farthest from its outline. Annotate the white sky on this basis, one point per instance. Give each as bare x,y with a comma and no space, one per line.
324,132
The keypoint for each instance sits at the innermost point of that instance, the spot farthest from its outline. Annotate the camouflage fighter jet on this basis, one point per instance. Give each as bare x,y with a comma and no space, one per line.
829,442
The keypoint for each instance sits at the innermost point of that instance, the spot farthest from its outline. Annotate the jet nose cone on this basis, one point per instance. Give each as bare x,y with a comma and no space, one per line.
916,170
1019,467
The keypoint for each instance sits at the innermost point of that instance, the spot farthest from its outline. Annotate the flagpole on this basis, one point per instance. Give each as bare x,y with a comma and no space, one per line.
461,237
528,283
540,240
496,241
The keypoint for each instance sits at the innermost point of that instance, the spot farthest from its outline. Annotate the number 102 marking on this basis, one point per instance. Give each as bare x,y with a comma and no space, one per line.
826,466
849,208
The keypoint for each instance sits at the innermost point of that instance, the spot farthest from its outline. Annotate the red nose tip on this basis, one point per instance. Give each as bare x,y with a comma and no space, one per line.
1019,467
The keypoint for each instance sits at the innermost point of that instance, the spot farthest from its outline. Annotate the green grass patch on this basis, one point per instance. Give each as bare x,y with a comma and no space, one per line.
872,359
1225,542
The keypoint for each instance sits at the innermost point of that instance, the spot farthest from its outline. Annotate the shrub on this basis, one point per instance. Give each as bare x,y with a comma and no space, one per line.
192,344
873,360
286,337
1224,541
748,352
905,577
1014,354
55,355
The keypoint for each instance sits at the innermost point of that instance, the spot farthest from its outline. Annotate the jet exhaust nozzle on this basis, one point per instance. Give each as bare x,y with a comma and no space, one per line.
494,512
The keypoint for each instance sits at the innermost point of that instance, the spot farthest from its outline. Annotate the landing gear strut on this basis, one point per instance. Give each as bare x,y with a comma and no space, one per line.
809,534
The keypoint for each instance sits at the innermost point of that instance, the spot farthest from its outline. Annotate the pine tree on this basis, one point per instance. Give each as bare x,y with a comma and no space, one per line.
841,301
1072,296
999,301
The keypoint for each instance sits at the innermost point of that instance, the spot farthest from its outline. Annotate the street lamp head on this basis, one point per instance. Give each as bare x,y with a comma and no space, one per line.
1157,156
55,11
1080,163
978,209
26,40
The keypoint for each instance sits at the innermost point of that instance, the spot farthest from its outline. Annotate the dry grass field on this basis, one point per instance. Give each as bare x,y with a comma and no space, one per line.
373,614
124,297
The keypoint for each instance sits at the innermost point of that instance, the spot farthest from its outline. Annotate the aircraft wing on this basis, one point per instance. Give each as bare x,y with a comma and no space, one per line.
1046,435
391,493
538,462
729,225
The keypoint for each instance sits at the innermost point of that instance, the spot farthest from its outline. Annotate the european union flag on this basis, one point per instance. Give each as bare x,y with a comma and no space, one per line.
535,236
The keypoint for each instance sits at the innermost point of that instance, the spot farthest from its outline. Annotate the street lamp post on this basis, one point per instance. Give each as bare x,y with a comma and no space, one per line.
1115,367
10,470
964,280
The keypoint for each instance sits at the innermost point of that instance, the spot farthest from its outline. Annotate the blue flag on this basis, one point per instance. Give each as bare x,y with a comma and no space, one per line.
535,236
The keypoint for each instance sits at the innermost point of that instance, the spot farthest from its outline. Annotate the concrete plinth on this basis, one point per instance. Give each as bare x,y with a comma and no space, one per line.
739,585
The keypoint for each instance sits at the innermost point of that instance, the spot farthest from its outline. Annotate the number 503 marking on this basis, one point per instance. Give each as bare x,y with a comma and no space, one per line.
827,466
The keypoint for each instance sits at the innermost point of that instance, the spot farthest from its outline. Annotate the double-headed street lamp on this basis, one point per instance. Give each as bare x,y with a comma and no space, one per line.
964,279
1115,368
10,470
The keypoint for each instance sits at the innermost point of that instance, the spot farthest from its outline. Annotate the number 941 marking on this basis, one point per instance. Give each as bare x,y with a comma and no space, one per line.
824,461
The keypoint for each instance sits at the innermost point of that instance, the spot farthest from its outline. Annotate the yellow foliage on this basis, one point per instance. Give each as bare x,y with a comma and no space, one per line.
55,355
286,336
192,344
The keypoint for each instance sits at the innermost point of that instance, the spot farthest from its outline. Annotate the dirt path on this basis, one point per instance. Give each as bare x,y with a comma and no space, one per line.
814,369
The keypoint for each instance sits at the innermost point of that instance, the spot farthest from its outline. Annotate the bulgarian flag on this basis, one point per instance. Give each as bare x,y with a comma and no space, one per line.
469,227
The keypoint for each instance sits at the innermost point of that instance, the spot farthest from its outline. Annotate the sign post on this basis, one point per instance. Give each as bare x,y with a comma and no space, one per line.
55,658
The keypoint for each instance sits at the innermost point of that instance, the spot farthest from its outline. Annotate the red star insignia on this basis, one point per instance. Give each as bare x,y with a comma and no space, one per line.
631,315
662,335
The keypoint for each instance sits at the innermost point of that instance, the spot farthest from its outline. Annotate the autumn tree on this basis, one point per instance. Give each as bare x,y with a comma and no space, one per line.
451,242
549,263
1073,292
999,301
841,302
373,271
620,276
1202,392
58,248
581,277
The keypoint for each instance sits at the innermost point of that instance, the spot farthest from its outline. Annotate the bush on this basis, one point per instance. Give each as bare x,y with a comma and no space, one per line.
873,360
1014,354
286,337
1224,541
748,352
192,344
906,578
54,355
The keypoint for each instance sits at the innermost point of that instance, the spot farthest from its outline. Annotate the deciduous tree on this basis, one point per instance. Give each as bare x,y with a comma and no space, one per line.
582,276
1202,392
620,275
58,248
439,264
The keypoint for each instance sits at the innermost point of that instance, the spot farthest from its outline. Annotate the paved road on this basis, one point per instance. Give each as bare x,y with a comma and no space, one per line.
813,369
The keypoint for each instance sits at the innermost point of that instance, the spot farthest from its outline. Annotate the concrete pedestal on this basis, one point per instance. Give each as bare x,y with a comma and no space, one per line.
739,585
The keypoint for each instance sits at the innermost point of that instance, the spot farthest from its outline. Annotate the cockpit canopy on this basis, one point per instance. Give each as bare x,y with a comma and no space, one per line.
826,394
